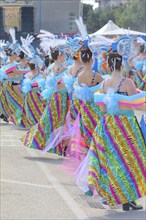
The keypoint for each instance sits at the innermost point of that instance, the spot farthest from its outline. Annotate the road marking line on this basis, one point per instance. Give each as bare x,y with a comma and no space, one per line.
78,212
25,183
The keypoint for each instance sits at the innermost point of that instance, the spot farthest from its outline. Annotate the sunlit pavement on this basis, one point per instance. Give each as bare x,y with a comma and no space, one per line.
34,186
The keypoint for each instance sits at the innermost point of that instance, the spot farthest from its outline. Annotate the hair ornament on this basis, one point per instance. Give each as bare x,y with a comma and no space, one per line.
86,54
124,46
74,44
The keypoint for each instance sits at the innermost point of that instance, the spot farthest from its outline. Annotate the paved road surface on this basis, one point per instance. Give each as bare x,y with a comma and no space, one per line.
34,186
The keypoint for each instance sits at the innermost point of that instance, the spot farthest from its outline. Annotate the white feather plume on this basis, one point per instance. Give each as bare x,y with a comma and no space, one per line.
26,42
38,51
12,33
2,43
49,40
47,43
26,50
22,41
44,33
29,39
2,54
82,27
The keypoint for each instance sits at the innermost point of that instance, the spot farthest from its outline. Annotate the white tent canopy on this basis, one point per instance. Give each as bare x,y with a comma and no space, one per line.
122,31
110,26
99,39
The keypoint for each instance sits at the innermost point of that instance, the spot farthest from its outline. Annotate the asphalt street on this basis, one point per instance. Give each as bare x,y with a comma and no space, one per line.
34,186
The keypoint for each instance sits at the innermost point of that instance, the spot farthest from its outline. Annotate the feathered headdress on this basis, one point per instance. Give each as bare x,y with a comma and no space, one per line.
74,44
2,45
15,45
26,45
27,48
49,40
13,36
83,30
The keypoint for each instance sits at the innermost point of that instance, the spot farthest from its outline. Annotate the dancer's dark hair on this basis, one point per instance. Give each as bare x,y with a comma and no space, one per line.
47,61
9,52
114,61
54,53
21,55
85,54
141,48
32,66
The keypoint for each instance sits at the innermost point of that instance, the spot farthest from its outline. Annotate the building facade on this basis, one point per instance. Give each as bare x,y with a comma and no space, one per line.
56,16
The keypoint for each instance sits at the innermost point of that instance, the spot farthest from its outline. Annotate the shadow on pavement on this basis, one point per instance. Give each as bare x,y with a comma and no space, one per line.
20,129
121,215
5,124
45,160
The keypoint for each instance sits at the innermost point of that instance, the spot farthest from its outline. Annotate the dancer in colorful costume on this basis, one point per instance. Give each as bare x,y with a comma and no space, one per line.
12,99
33,103
57,100
114,169
138,63
79,109
11,96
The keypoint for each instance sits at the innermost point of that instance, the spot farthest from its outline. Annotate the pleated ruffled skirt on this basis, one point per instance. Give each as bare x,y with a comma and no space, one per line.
89,117
33,109
53,117
117,166
10,103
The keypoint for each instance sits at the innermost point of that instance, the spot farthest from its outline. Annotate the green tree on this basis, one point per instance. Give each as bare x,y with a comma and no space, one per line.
127,15
87,10
133,16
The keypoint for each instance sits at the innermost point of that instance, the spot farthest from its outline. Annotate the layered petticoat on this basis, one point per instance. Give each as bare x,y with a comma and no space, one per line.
33,109
115,169
53,117
4,108
89,116
10,103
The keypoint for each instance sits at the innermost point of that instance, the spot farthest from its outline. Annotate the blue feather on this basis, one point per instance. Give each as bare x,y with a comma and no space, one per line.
83,93
50,87
26,86
138,65
47,93
144,67
111,101
68,80
3,75
51,81
95,65
42,83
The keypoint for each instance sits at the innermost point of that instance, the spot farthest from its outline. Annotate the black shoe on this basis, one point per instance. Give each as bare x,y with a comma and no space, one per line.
5,119
2,116
131,205
64,152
